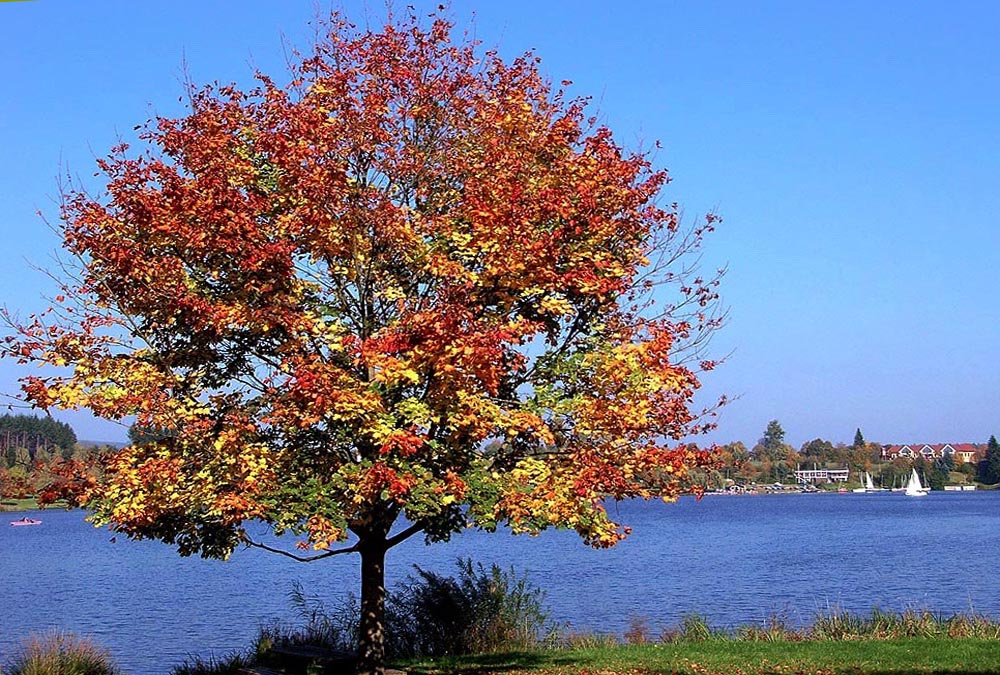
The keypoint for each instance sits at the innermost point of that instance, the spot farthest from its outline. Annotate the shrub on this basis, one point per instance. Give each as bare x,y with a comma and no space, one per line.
333,627
59,653
478,611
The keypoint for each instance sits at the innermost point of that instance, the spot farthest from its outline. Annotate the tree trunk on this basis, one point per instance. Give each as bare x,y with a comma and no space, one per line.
371,639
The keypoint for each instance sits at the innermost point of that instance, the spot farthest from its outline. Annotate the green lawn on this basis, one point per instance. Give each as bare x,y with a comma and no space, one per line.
30,504
868,657
18,504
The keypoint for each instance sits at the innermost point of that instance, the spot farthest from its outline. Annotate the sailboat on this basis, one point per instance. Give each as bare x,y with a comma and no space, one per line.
913,486
870,485
867,485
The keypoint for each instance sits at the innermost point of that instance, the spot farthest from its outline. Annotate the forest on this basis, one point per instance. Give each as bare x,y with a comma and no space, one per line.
23,438
37,453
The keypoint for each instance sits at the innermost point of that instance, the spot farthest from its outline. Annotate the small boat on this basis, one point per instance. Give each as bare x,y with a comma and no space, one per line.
25,521
867,485
914,487
870,485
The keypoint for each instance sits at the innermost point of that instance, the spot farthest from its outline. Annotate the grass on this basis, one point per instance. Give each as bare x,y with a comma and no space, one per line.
838,642
712,657
58,653
18,504
214,665
29,504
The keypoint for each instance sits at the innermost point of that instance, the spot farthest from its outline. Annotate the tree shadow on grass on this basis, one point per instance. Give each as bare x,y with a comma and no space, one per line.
528,661
481,664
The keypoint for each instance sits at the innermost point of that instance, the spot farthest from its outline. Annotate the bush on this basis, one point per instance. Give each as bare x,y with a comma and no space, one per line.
479,611
333,628
60,653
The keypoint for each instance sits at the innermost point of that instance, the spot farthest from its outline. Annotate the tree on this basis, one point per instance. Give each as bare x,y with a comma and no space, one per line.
774,435
939,474
772,445
817,450
859,440
34,434
989,467
735,453
414,290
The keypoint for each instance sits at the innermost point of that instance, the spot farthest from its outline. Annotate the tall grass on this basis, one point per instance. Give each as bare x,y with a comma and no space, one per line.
333,626
882,625
480,610
232,664
838,625
59,653
833,625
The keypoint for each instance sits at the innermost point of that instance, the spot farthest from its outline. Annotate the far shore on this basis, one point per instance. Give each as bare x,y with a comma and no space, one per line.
29,504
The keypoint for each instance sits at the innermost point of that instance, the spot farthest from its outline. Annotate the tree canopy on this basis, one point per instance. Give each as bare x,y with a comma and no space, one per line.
417,286
989,467
31,433
772,446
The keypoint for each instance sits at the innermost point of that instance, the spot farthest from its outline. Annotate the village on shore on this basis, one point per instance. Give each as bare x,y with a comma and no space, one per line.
773,467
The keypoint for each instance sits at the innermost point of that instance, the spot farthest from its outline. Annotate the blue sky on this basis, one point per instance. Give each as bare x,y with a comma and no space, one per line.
852,148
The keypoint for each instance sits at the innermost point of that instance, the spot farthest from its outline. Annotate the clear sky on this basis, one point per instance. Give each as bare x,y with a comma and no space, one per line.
853,149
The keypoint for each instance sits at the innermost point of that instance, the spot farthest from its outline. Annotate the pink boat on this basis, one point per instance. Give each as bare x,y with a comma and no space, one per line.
26,521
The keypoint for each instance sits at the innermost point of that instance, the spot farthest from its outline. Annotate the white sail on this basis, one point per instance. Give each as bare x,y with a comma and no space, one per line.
913,487
869,485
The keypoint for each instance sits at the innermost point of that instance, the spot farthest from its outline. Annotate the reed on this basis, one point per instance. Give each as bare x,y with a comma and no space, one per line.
835,625
61,653
231,664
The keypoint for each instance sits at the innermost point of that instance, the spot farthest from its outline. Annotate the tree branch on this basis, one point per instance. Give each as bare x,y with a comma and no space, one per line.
404,535
301,558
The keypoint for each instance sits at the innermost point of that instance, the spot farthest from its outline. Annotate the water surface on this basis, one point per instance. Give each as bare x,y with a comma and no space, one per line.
732,559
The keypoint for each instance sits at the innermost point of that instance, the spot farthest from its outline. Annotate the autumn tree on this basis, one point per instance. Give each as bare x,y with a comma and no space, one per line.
413,290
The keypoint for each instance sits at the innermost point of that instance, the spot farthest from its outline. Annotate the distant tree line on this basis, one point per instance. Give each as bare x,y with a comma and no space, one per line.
33,452
771,460
24,437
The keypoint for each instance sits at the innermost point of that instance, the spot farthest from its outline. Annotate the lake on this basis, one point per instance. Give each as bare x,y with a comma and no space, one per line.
731,559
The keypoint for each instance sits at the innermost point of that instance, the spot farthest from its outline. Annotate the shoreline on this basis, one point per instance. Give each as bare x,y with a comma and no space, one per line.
26,505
